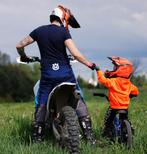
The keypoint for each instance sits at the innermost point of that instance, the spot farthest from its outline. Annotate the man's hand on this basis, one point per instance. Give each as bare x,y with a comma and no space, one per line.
94,67
26,59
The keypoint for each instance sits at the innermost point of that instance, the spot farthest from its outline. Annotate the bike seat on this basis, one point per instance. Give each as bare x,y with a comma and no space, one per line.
122,111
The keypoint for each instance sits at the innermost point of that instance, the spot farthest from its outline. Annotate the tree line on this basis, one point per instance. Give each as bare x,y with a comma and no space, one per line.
17,80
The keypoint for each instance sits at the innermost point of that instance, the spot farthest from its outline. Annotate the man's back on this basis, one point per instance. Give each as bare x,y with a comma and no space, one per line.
50,39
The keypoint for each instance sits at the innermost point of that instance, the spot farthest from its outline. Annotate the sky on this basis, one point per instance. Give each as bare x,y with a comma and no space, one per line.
108,28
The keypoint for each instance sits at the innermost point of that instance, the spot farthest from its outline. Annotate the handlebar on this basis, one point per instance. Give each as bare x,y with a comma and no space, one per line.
101,95
34,59
37,59
28,60
104,95
72,59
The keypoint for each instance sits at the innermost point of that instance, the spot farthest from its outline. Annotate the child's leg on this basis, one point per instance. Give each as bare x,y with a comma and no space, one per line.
108,122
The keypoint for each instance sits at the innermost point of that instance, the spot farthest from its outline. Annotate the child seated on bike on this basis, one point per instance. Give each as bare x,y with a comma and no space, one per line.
120,89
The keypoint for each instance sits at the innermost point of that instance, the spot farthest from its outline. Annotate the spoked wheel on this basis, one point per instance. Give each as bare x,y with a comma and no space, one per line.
69,130
126,134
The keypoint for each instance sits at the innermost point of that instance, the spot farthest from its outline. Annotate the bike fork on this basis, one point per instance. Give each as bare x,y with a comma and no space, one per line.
117,125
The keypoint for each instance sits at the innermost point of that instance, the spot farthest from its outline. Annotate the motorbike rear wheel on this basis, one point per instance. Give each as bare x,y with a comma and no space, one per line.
69,130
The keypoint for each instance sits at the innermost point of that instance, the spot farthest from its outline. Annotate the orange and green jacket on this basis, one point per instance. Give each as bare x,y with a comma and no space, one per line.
119,90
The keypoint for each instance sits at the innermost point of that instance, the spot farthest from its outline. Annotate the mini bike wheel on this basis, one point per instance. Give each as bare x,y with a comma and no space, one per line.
126,134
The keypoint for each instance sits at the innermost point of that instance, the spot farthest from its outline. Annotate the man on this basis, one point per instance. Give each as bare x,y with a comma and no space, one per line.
52,41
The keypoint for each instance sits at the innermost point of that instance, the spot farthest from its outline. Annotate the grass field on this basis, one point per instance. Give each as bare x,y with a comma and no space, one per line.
16,119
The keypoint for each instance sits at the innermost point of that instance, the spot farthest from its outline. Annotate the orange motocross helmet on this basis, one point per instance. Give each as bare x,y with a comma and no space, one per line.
122,68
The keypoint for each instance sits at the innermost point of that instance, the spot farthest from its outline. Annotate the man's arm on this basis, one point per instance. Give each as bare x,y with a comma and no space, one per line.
20,46
76,53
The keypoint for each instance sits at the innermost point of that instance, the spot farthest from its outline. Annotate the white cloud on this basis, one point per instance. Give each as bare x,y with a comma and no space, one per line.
138,16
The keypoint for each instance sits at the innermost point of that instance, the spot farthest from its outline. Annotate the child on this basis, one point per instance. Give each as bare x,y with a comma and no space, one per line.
120,89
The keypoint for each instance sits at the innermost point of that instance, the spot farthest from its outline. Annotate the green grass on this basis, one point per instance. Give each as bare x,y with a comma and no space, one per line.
16,120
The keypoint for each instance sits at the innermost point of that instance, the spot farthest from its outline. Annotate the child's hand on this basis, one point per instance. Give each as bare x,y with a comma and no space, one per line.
97,68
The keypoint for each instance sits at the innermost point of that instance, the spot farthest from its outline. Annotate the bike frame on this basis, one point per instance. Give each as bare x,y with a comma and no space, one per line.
117,121
117,126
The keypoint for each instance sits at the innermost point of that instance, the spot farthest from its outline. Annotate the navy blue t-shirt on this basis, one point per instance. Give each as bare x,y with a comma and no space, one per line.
50,40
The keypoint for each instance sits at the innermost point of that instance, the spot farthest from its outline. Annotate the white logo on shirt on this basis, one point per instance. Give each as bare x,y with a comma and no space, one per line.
55,66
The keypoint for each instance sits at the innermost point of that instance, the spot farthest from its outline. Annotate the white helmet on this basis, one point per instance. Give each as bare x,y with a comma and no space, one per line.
59,13
64,15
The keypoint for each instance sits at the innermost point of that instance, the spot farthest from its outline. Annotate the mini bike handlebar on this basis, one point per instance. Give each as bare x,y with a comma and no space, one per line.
101,95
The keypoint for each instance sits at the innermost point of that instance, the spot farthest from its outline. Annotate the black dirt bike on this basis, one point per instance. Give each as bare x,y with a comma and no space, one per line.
121,128
61,116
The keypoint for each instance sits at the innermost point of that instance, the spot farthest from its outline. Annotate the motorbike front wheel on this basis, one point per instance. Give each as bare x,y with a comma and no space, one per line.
69,130
126,133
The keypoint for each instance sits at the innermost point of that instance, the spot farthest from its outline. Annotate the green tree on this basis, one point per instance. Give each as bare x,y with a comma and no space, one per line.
139,80
15,84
